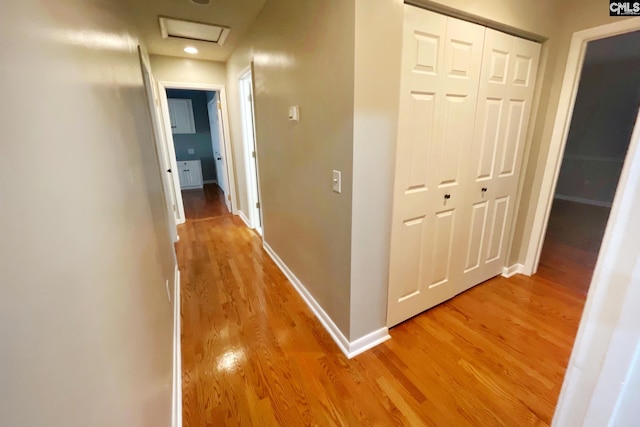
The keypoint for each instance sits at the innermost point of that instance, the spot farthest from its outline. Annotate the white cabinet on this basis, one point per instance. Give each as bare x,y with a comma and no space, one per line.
181,114
190,174
466,94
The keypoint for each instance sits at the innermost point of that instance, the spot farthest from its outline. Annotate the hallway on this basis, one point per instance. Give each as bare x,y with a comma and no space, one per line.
254,354
202,203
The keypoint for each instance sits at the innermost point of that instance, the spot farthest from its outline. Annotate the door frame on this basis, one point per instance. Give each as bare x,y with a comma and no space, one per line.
217,100
151,90
163,85
251,170
560,132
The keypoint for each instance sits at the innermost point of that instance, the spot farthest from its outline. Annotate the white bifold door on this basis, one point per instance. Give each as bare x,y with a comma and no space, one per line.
465,100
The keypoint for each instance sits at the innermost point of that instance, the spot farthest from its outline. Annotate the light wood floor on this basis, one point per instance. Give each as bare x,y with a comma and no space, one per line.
254,354
206,202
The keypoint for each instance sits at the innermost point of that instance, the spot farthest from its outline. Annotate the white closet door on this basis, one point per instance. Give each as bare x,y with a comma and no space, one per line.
441,64
507,81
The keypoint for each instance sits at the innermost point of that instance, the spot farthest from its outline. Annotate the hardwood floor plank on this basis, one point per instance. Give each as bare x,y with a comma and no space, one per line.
254,354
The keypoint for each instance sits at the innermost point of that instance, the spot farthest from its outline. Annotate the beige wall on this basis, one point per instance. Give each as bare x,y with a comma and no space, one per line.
183,70
375,110
85,321
303,54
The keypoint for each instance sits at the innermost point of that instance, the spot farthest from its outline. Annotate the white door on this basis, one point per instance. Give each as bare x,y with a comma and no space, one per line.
181,114
505,95
217,141
440,73
159,137
251,155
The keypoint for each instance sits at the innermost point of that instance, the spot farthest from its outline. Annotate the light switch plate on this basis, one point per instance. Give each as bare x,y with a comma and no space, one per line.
294,113
337,181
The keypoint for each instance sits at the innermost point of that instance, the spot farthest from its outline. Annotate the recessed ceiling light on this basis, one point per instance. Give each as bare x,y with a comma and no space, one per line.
190,49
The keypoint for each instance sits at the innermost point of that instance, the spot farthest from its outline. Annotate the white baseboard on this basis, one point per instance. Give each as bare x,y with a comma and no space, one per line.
210,181
176,411
244,218
512,270
368,341
349,348
583,200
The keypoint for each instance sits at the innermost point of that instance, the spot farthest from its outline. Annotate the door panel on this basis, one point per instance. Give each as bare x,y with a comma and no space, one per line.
476,236
441,61
504,103
513,137
442,244
496,232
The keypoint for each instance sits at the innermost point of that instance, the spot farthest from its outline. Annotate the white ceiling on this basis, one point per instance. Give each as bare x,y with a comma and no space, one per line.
237,14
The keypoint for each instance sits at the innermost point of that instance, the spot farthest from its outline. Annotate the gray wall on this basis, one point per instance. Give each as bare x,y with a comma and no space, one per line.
303,53
201,140
603,119
86,325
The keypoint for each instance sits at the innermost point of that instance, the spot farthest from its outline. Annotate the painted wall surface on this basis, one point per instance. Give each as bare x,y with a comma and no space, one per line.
303,53
85,319
375,113
200,142
603,118
576,16
184,70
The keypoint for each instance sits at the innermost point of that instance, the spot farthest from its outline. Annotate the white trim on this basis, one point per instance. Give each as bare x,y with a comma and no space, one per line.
160,143
349,348
228,155
368,341
210,181
249,145
244,218
177,354
512,270
562,122
582,200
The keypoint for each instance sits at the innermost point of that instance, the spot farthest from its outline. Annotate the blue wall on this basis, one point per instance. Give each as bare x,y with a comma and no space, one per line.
200,141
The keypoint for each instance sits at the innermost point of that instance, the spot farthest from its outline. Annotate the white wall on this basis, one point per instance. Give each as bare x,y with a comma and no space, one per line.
375,111
85,321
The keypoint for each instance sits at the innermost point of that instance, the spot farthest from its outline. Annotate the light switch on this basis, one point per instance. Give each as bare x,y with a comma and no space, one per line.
191,151
294,113
337,181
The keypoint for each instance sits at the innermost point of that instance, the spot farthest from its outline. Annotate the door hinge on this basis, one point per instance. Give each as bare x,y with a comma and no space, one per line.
219,106
249,97
229,197
253,154
258,205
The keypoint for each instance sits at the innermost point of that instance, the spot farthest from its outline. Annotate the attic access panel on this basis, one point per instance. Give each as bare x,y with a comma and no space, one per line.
190,30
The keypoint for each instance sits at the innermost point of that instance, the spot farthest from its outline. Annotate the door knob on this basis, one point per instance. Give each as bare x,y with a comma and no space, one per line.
484,189
219,158
169,170
447,196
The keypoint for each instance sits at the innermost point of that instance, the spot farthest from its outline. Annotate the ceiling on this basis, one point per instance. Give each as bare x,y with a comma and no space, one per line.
236,14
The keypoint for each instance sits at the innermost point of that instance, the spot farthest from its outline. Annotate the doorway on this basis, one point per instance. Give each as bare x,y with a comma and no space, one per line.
250,152
196,135
196,128
599,134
